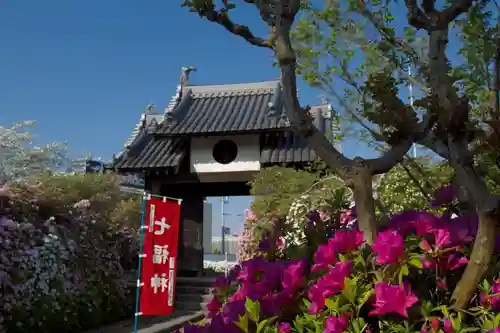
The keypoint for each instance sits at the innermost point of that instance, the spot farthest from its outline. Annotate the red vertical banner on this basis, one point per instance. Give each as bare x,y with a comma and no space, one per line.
159,259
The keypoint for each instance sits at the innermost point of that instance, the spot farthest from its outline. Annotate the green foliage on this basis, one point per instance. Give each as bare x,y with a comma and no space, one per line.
409,187
65,264
96,194
276,188
283,198
127,212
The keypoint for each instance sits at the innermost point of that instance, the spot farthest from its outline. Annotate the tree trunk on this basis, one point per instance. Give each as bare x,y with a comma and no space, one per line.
480,259
365,205
486,207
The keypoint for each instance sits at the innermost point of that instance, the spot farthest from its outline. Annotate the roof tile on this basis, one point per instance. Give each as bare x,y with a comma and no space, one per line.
285,148
226,109
157,153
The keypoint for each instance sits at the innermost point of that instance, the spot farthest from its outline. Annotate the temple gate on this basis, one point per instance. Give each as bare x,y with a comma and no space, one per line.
210,141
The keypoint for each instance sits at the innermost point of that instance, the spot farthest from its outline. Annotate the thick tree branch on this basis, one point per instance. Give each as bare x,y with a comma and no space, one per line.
457,8
222,18
390,158
487,209
302,124
416,16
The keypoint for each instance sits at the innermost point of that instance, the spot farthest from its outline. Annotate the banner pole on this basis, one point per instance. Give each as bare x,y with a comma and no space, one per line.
141,244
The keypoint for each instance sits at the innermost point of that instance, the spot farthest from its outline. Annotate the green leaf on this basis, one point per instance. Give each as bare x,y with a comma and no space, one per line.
318,327
349,291
365,297
416,262
252,310
299,325
403,271
306,302
242,323
332,304
262,324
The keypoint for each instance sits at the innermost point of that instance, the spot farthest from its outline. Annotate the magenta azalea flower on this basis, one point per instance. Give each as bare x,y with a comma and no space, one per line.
493,301
336,324
214,307
328,285
392,299
324,256
293,277
419,223
443,196
389,247
447,326
222,282
285,328
346,241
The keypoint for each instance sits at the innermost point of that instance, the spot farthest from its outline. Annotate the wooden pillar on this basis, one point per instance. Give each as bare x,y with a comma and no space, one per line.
190,256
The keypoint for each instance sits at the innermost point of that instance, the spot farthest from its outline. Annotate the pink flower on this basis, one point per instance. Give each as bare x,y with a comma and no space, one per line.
420,223
249,215
454,261
214,307
284,328
293,277
280,243
393,299
389,247
444,196
443,238
324,216
328,285
493,301
345,241
336,324
324,256
447,326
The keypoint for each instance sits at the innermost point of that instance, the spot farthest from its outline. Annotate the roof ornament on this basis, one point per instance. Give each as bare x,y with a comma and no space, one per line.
149,108
142,122
184,80
324,99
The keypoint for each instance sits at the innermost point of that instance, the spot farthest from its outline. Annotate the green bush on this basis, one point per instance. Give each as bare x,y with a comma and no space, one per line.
283,199
65,267
98,194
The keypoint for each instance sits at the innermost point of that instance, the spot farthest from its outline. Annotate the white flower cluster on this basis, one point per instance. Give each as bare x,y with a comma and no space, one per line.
218,266
295,222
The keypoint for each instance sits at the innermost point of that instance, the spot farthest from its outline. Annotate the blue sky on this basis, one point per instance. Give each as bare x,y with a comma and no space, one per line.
85,70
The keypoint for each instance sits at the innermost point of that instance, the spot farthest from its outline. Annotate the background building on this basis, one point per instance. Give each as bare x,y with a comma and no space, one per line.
207,227
232,243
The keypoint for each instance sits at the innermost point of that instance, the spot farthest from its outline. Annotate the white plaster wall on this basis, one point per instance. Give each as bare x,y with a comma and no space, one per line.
207,227
248,158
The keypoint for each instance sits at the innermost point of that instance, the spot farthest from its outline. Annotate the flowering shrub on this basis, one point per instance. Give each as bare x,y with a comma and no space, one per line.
323,205
401,283
68,272
218,266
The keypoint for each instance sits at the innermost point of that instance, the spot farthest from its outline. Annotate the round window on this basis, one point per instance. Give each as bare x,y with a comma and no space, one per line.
225,151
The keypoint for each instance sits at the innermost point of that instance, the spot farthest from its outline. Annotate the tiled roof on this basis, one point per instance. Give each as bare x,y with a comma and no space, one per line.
139,127
285,148
154,153
226,108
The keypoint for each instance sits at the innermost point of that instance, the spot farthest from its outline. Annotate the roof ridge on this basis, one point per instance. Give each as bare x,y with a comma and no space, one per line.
261,85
